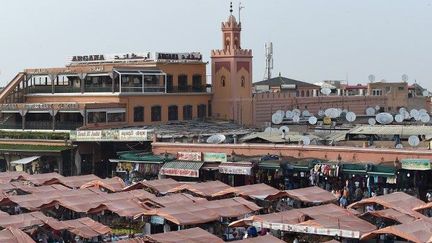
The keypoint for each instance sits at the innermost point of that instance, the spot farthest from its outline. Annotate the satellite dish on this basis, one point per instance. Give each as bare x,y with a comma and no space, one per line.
325,91
296,112
425,93
350,116
399,118
289,114
414,113
399,146
413,141
321,113
312,120
283,129
377,108
296,119
371,121
401,110
268,129
332,112
216,139
370,111
404,77
384,118
371,78
423,111
280,112
306,113
306,140
424,117
406,115
277,118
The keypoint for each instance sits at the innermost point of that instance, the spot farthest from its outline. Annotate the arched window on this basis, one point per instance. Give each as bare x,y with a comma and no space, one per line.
197,83
138,114
156,113
242,81
223,81
227,43
182,83
169,84
307,93
187,112
202,110
302,93
172,113
297,93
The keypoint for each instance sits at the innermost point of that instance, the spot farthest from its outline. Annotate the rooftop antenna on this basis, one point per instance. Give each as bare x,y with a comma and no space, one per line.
269,60
239,9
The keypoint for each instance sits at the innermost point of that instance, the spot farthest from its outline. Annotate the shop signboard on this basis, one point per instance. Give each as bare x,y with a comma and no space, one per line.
308,229
157,220
173,57
235,168
215,157
189,156
112,135
416,164
179,172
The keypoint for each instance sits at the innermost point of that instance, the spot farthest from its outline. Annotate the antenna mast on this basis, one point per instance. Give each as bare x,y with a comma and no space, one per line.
269,60
239,10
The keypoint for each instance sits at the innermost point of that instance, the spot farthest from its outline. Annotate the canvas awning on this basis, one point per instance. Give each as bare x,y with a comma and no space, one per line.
134,161
383,171
235,168
25,161
313,194
260,191
416,231
181,168
15,235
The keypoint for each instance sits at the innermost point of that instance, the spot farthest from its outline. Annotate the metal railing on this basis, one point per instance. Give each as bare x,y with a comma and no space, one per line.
187,89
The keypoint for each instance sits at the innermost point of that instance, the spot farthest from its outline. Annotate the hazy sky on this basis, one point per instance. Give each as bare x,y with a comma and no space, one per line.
313,40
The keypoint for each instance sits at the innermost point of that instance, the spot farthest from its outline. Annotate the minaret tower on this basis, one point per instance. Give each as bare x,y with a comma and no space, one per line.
232,76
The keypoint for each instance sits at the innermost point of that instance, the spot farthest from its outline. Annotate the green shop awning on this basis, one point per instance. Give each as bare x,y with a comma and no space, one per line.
270,165
30,148
381,170
181,168
134,161
144,156
354,168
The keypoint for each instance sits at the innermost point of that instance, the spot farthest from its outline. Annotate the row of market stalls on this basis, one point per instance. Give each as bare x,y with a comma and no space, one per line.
161,210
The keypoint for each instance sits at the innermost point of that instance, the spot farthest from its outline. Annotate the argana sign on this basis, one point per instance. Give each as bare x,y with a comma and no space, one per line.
112,135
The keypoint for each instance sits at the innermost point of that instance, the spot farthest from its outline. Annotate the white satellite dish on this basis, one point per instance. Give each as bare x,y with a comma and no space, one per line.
332,112
321,113
370,111
384,118
312,120
306,113
296,112
216,139
399,118
413,141
268,129
350,116
296,119
424,117
377,108
425,93
414,113
280,112
325,91
371,78
371,121
404,77
402,110
406,115
283,129
423,111
399,146
289,114
277,118
306,140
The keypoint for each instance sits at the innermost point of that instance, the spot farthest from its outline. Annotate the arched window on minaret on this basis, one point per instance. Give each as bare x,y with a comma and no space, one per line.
227,43
242,81
236,43
223,81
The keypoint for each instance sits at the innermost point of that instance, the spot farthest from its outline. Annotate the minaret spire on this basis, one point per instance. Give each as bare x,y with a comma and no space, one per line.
231,9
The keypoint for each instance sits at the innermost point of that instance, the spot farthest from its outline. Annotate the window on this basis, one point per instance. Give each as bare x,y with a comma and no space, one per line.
209,111
197,83
156,113
302,93
297,93
202,110
169,80
223,81
377,92
187,112
96,117
182,83
401,88
172,113
307,93
138,114
116,117
242,83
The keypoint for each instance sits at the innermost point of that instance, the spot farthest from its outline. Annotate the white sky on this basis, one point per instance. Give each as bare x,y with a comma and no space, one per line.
313,40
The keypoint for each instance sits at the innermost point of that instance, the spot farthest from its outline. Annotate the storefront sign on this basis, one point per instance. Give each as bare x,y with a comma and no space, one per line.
101,58
40,106
179,172
112,135
9,107
157,220
189,156
234,170
190,56
215,157
416,164
308,229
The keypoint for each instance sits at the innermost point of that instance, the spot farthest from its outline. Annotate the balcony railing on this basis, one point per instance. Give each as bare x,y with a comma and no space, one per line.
187,89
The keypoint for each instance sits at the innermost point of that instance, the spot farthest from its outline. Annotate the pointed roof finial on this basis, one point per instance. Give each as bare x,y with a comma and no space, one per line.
231,9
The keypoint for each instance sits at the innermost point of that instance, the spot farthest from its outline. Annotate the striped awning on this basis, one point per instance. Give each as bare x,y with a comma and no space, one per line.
181,168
